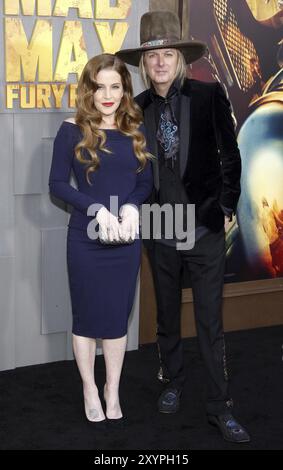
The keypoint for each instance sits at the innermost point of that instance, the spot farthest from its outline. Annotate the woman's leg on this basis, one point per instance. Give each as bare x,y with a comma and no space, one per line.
114,352
85,350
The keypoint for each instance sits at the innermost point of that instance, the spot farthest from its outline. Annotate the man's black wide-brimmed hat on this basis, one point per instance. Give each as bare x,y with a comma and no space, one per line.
162,30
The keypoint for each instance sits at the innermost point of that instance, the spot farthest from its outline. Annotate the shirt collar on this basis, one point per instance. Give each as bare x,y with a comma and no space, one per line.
175,89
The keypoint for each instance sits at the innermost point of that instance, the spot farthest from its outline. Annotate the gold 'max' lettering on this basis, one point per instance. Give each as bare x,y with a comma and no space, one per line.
111,42
35,55
72,43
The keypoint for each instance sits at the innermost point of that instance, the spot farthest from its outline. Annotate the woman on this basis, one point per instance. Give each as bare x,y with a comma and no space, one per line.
105,148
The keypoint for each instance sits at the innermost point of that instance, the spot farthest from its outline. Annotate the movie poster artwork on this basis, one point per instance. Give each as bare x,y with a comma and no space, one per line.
245,40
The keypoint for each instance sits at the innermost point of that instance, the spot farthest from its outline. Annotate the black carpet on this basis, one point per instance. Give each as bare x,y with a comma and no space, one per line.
42,408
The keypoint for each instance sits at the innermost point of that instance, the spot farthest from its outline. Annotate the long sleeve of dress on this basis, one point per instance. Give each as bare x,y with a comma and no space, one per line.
143,187
60,172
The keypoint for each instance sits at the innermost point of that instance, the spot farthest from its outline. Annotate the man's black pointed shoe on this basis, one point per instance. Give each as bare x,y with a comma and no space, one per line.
230,429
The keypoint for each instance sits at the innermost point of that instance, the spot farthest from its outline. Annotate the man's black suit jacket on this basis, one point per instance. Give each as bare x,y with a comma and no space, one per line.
210,163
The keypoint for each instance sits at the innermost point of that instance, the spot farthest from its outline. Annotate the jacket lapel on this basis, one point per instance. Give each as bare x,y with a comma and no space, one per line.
185,127
149,119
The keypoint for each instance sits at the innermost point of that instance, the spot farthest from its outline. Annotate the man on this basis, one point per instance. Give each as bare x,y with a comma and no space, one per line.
190,129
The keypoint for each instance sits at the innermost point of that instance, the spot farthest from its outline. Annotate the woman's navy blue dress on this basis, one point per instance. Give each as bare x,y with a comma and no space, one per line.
102,278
